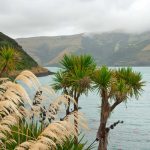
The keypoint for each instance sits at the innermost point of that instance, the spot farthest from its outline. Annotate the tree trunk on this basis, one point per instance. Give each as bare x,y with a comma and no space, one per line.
3,70
102,134
68,107
76,121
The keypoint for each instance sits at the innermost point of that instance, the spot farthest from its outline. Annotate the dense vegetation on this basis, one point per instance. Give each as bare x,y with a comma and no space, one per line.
35,123
112,49
74,78
79,74
26,61
115,87
32,123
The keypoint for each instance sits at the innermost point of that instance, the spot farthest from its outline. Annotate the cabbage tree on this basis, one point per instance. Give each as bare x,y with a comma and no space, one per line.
115,87
9,59
74,77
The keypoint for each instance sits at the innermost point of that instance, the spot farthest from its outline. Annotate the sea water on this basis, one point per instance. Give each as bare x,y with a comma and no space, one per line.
134,133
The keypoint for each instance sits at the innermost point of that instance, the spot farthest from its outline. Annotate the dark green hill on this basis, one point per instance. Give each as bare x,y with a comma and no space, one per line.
27,62
112,49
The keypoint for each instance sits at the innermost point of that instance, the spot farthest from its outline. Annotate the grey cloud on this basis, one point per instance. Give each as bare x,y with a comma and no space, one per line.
23,18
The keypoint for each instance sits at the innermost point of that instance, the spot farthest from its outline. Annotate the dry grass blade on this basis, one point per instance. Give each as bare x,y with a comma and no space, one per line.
25,145
5,125
16,90
12,96
29,78
3,80
48,90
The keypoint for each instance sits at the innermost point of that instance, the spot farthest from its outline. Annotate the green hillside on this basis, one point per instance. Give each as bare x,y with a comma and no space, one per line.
112,49
27,62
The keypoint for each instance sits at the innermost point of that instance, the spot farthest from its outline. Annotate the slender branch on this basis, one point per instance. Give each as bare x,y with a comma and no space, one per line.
114,105
117,102
78,95
113,125
65,91
75,95
91,144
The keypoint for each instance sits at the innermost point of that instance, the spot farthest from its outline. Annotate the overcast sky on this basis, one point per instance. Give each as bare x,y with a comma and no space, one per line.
25,18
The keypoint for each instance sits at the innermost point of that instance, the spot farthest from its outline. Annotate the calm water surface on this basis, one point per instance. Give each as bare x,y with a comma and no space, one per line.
134,134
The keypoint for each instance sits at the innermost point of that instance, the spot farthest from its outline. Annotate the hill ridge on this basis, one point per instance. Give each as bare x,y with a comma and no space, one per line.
112,49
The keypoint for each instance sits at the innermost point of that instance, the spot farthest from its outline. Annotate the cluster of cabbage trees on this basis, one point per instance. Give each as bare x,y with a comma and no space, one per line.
79,74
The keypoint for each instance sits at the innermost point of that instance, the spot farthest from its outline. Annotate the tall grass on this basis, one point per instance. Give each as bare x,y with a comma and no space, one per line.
34,123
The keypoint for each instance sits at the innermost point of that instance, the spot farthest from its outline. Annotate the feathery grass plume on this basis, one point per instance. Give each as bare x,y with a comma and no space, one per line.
5,128
13,98
16,89
43,93
79,117
3,80
12,95
29,79
48,113
55,133
48,90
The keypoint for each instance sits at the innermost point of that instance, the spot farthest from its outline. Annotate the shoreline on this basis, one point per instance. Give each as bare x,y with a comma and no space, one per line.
41,71
37,71
43,74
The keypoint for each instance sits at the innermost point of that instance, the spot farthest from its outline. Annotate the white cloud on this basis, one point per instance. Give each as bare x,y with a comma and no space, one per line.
20,18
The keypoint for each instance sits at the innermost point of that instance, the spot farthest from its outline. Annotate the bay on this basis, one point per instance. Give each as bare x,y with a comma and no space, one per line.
134,133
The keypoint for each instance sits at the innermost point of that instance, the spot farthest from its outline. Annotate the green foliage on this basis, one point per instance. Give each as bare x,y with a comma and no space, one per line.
74,62
132,79
76,72
69,144
9,59
102,77
26,61
115,87
22,132
19,114
60,81
74,78
26,131
119,84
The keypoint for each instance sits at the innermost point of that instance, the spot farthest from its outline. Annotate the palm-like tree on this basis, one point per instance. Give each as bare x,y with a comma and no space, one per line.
9,59
74,77
61,83
117,85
